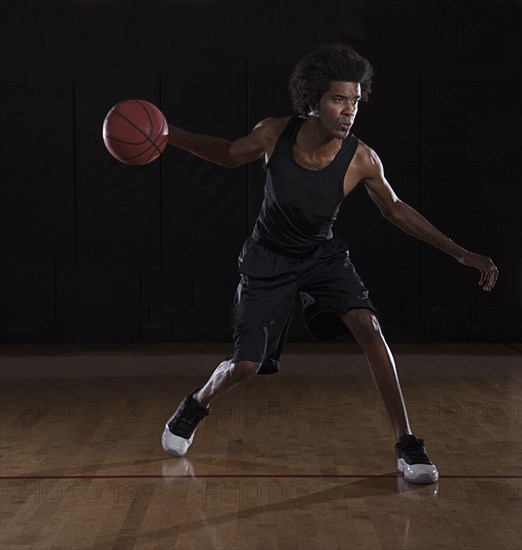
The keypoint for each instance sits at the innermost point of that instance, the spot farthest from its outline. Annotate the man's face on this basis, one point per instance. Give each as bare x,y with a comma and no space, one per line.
338,106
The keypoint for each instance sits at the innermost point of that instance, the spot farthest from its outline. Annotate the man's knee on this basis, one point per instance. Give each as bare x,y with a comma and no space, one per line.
243,370
362,323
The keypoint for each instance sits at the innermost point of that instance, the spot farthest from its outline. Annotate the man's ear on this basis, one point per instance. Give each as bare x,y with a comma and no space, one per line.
312,106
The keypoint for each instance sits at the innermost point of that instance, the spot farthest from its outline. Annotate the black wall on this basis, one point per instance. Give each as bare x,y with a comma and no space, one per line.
96,251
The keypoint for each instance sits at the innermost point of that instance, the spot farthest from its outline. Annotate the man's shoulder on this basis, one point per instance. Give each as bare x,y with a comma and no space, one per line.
363,152
364,155
269,129
272,124
366,161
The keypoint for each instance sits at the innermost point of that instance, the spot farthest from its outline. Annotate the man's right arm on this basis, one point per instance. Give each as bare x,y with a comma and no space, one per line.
221,151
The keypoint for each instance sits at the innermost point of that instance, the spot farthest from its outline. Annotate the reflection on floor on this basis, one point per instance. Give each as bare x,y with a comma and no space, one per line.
303,459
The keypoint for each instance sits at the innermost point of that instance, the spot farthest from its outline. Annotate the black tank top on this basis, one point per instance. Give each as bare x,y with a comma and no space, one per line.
300,205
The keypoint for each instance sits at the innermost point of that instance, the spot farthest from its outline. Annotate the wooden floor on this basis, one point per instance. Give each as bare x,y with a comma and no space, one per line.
300,460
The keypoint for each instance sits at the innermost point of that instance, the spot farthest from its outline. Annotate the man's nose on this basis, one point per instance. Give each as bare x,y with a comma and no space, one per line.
349,109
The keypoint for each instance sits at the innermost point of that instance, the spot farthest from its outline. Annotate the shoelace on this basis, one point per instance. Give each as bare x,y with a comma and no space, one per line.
187,419
192,414
415,452
196,414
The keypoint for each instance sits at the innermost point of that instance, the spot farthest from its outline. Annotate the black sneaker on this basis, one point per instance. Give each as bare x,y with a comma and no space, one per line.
413,461
180,428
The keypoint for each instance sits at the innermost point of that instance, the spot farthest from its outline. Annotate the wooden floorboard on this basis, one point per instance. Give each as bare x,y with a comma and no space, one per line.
300,460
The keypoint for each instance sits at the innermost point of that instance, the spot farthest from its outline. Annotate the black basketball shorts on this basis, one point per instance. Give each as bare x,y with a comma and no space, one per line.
325,281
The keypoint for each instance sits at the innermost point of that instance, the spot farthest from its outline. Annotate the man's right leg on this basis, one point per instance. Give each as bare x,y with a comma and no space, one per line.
181,427
225,377
263,309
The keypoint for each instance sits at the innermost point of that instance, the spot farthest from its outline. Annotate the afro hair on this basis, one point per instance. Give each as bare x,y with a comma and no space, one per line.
312,75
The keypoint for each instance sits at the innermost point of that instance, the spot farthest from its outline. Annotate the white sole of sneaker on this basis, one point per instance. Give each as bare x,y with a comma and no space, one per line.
174,445
418,473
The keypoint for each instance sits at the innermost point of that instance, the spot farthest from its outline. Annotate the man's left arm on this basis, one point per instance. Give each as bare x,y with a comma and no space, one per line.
411,222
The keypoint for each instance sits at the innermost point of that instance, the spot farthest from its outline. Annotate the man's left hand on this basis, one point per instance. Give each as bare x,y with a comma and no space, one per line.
488,270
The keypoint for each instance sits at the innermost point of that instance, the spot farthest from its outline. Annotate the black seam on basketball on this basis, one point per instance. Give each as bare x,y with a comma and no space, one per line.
152,144
162,124
132,124
139,154
151,126
148,116
147,138
159,134
163,121
149,157
160,144
126,142
158,148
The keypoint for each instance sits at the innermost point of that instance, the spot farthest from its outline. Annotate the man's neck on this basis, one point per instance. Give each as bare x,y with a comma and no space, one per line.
312,137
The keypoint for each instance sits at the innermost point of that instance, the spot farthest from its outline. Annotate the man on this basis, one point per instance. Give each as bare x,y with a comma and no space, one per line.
313,162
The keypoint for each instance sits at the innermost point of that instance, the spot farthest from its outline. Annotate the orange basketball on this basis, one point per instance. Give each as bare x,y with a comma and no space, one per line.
135,132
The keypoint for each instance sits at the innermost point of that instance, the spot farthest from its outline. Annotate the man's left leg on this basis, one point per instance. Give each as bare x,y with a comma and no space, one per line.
365,328
411,454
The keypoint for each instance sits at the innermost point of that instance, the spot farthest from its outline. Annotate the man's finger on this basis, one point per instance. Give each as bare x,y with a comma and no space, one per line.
492,279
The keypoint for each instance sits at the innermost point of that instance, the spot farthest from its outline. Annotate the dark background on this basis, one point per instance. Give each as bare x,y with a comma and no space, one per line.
93,251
